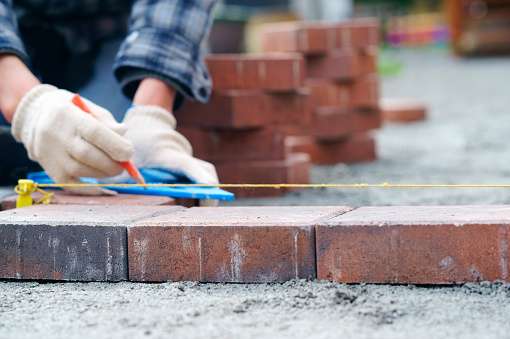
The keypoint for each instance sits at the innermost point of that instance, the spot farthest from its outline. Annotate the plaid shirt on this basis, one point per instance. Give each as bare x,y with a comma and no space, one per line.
164,37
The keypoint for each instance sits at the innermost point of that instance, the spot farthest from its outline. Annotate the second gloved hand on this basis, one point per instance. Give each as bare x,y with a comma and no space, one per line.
151,129
67,142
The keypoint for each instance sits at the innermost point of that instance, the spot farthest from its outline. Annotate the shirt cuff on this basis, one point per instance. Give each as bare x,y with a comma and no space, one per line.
166,56
10,43
132,77
20,53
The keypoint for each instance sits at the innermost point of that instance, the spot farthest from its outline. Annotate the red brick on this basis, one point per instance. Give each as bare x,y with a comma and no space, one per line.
367,120
336,65
331,123
342,35
299,144
227,244
233,145
70,242
295,129
365,32
271,71
416,245
365,93
295,169
320,38
289,108
62,198
296,37
368,61
403,110
247,109
330,94
354,149
234,109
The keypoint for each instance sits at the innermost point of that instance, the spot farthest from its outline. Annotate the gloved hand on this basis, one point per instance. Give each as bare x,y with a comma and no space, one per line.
151,129
67,142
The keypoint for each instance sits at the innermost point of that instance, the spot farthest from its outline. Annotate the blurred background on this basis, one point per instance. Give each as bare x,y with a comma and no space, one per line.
404,23
472,26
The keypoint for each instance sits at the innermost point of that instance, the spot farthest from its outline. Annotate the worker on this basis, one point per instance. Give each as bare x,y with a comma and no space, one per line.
51,49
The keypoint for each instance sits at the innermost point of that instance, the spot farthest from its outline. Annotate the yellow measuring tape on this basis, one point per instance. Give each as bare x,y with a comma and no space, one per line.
26,187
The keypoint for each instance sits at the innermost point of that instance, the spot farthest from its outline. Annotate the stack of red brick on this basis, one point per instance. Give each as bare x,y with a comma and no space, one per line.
341,67
240,129
313,95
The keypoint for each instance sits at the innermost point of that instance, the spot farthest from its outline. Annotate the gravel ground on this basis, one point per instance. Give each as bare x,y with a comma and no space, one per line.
463,141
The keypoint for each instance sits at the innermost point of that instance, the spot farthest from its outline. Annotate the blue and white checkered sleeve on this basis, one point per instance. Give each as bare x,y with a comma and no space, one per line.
165,41
10,41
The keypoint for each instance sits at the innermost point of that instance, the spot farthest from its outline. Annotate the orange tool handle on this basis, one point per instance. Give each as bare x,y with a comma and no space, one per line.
129,166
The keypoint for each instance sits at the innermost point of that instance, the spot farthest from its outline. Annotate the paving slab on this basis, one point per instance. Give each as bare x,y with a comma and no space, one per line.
62,198
71,243
227,244
415,245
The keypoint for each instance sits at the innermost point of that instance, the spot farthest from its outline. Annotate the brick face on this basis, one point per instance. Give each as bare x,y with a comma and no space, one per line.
232,109
234,244
296,37
294,169
61,198
365,92
339,65
329,94
74,243
403,110
284,108
320,38
355,149
332,124
244,110
368,61
224,145
418,245
271,72
259,171
365,33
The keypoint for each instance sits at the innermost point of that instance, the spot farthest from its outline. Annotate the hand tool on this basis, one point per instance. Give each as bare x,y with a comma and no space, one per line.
129,166
178,185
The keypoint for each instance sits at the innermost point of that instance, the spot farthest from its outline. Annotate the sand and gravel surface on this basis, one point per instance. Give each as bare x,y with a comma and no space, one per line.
465,140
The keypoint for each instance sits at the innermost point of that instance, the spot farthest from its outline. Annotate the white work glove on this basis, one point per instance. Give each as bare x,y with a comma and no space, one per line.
67,142
151,129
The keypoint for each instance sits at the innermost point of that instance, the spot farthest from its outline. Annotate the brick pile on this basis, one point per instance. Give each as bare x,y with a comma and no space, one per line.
240,130
313,94
387,244
341,68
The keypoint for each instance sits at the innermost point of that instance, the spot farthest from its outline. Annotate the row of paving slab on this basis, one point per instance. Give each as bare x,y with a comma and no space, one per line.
412,244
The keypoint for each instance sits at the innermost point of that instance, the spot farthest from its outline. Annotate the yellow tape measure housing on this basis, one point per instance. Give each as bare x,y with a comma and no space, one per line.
25,188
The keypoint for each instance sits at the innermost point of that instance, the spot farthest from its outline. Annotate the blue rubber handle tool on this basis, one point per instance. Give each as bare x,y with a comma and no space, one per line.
154,176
